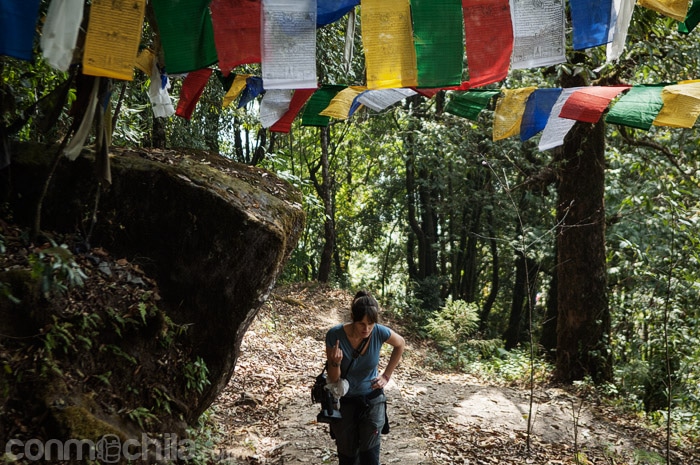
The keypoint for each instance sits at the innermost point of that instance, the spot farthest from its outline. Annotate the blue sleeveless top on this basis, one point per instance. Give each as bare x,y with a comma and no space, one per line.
364,370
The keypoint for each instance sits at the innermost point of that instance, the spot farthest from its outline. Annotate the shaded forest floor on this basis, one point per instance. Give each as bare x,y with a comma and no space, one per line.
265,416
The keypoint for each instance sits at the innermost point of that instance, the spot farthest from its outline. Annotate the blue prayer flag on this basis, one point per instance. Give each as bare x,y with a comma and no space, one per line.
253,88
17,27
537,109
592,21
330,11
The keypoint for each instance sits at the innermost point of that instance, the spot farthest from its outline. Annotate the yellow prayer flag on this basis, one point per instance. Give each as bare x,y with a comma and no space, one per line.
113,37
342,102
681,106
509,112
387,35
676,9
144,61
236,88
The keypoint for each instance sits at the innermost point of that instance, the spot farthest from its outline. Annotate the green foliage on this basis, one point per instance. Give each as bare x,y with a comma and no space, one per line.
515,366
143,416
453,323
196,375
56,270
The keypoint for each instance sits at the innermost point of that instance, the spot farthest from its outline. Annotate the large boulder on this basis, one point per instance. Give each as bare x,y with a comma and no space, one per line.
214,235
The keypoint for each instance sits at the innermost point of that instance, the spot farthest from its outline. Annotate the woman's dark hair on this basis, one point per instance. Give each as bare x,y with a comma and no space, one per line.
364,305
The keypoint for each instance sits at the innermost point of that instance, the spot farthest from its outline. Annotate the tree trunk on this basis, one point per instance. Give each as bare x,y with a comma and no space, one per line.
583,325
491,299
526,270
326,193
548,339
423,237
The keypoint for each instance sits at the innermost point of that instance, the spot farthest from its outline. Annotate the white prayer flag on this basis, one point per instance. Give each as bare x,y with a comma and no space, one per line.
557,127
380,99
289,44
60,32
160,99
538,33
623,10
274,105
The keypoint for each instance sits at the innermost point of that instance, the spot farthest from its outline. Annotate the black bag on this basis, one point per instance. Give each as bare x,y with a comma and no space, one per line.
318,391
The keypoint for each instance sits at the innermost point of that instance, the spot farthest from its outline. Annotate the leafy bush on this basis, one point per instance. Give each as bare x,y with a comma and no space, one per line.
56,269
455,322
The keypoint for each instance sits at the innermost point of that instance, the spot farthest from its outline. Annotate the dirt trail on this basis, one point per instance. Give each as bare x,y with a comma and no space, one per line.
265,415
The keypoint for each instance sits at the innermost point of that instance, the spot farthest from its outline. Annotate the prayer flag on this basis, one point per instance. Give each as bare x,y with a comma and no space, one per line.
591,22
60,32
253,88
557,127
158,94
330,11
289,44
284,124
378,100
317,103
274,105
144,61
76,144
390,56
489,40
623,12
681,105
537,109
431,92
538,33
235,90
676,9
226,81
187,34
469,104
340,105
638,107
691,19
438,35
113,37
17,27
192,88
509,112
589,103
236,26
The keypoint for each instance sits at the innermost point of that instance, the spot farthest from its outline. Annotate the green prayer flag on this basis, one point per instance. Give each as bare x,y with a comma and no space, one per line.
691,19
187,34
638,107
317,103
226,81
469,104
438,35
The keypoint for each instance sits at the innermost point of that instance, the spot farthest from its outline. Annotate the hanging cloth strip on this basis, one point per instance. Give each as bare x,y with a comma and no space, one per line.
17,26
438,35
236,32
187,34
113,37
489,41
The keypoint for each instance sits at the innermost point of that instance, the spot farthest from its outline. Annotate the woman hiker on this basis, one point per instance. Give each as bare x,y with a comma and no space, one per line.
352,350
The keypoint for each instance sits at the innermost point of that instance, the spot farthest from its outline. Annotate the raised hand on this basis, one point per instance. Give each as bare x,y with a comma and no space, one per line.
335,355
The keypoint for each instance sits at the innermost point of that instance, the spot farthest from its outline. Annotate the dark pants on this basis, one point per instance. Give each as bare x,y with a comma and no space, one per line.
358,434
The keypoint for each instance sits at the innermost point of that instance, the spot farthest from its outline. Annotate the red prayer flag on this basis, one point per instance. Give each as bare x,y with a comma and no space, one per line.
192,88
588,104
236,32
428,92
284,124
488,33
